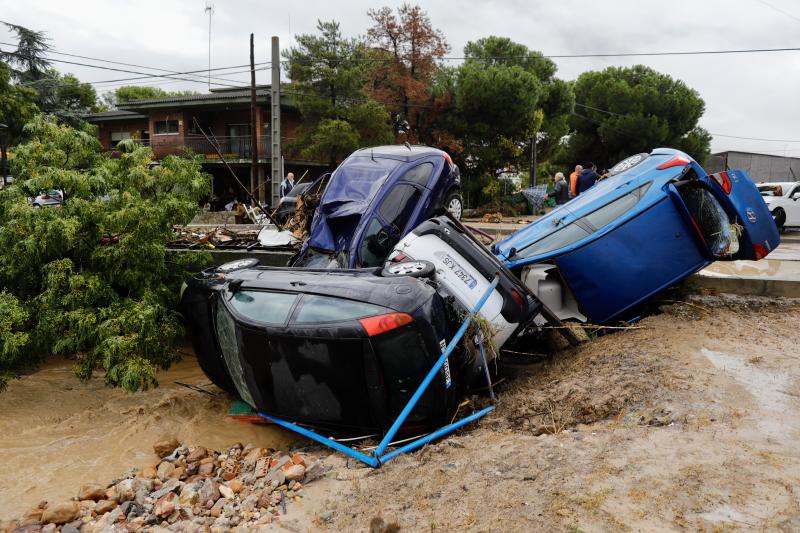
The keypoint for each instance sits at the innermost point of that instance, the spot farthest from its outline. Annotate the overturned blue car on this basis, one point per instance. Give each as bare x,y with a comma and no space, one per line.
654,220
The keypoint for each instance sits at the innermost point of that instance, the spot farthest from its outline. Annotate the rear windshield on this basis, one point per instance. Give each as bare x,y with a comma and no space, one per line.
326,309
720,234
229,344
770,190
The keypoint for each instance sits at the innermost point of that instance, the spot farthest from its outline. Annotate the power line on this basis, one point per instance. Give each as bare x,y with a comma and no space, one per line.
779,10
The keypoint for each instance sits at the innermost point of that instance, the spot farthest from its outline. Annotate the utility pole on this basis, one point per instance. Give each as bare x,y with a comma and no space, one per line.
253,121
532,173
210,11
275,122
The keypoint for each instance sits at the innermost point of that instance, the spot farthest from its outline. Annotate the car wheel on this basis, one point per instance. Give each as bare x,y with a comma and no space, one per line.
414,269
239,264
455,204
779,216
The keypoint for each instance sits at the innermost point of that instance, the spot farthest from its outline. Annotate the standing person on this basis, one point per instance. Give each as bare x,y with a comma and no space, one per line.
587,178
573,181
561,189
287,184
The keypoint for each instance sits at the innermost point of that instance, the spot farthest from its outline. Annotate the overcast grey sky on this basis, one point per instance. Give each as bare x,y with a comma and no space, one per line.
747,95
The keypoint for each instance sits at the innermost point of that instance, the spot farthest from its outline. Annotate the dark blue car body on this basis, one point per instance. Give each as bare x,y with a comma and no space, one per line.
657,219
373,199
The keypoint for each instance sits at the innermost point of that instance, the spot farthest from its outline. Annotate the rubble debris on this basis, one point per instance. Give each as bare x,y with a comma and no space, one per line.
229,495
492,218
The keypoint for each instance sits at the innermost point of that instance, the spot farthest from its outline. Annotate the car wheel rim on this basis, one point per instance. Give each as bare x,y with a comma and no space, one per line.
455,207
404,269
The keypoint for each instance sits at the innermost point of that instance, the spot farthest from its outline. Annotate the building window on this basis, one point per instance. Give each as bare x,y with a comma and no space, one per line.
117,136
166,127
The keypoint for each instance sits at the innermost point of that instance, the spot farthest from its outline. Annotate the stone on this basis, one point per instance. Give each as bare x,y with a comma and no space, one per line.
87,506
249,503
92,491
70,528
209,491
61,513
49,528
235,485
178,472
190,494
165,470
191,468
206,469
166,447
226,491
313,472
206,460
170,486
134,489
277,477
149,472
112,494
295,472
166,505
326,516
280,462
298,460
216,509
262,467
104,506
197,454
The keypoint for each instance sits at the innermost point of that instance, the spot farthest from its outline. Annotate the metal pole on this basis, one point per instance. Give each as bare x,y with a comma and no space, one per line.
275,121
253,121
531,181
401,418
535,144
4,162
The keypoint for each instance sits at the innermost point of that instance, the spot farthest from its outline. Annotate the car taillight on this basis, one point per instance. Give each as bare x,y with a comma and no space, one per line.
759,251
448,159
676,161
375,325
724,181
399,257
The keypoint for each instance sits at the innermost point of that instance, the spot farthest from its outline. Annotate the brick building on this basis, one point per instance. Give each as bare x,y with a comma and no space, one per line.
172,125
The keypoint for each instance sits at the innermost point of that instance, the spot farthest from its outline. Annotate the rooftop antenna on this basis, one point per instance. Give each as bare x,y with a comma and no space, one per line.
210,11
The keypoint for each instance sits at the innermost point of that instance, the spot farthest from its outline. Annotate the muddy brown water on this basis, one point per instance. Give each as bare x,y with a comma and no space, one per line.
57,433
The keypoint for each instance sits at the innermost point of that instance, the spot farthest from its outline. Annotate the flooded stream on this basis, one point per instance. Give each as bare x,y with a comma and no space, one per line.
57,433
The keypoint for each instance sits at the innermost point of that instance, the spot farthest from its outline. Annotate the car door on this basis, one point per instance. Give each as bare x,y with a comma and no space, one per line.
792,207
742,201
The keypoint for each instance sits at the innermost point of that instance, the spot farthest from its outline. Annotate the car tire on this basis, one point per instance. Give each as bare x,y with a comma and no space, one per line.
238,264
410,268
454,203
779,216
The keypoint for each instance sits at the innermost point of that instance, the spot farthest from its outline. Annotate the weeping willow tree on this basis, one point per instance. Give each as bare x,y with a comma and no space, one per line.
93,278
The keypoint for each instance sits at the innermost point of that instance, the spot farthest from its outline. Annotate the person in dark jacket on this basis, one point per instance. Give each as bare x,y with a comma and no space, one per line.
560,189
588,177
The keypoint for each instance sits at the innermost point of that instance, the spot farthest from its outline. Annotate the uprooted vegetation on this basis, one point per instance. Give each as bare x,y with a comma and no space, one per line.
92,278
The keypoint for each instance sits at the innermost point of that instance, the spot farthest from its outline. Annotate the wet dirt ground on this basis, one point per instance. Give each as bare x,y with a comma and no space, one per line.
687,422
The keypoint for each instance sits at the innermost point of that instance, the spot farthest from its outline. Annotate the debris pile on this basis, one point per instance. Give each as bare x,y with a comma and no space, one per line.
188,237
188,489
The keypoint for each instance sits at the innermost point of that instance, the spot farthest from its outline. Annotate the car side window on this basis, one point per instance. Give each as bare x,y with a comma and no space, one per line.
264,306
375,245
317,309
420,174
569,234
607,214
399,204
795,193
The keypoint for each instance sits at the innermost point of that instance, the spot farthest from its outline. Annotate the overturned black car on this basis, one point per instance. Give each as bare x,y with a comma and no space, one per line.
340,350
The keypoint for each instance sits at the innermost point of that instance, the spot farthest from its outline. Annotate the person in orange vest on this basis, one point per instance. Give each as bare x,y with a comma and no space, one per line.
573,181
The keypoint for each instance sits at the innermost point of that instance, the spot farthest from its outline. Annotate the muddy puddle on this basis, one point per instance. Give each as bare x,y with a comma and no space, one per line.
57,433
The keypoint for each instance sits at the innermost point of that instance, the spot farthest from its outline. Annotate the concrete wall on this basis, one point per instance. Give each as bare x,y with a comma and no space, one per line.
761,167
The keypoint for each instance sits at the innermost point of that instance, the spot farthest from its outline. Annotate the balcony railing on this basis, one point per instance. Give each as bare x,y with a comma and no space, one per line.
232,148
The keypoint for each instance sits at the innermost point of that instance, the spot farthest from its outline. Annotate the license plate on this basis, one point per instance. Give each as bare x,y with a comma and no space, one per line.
456,268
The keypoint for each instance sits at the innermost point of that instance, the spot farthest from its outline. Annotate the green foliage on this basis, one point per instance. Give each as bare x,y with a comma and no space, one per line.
131,93
17,104
95,274
64,96
623,111
13,338
328,74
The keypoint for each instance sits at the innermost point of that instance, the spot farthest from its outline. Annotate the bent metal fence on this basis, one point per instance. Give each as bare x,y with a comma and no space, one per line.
378,457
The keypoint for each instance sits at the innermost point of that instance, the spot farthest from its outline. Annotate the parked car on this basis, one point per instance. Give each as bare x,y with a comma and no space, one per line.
655,220
341,350
782,200
374,198
51,198
464,269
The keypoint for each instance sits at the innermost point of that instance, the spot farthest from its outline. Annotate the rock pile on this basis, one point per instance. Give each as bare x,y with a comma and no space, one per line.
188,489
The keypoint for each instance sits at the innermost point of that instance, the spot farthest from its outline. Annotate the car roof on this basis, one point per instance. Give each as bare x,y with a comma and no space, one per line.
402,152
780,183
